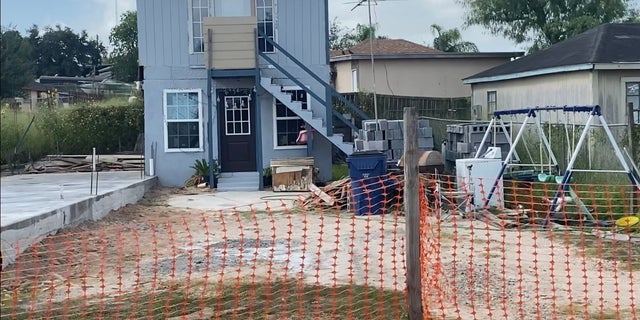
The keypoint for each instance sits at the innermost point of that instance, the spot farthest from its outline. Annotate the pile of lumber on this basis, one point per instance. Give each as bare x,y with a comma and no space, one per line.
83,163
334,195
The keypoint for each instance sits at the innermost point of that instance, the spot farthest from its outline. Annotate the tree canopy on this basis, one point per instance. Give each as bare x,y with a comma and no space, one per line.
341,37
16,65
544,22
451,40
63,52
124,39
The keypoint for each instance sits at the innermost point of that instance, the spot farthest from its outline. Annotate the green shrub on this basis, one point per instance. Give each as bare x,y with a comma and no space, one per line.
76,130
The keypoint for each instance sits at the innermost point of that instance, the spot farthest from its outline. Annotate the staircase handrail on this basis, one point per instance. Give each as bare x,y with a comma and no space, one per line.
311,93
313,75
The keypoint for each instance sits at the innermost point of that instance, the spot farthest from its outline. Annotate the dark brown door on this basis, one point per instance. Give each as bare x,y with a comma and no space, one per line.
236,120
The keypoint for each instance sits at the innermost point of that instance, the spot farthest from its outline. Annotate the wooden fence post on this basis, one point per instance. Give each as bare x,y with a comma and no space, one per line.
412,213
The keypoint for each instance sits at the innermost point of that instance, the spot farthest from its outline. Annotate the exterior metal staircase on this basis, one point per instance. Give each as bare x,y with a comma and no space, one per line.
307,115
320,120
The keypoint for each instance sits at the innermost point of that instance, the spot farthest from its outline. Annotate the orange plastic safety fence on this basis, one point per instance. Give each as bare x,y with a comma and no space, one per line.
529,250
534,251
339,255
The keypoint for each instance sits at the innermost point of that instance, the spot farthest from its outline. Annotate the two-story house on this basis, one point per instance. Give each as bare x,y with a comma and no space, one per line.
236,81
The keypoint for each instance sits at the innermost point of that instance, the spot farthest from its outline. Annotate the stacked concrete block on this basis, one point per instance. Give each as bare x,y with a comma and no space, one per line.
387,136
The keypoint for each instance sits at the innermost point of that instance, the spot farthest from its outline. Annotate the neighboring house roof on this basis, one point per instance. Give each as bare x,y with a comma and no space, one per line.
612,43
403,49
37,86
385,46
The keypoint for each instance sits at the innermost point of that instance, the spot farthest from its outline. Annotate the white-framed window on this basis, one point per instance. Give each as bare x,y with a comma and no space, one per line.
492,103
632,98
237,115
287,124
199,9
354,80
183,120
265,10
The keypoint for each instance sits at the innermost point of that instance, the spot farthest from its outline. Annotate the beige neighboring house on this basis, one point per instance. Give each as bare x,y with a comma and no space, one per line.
598,67
405,68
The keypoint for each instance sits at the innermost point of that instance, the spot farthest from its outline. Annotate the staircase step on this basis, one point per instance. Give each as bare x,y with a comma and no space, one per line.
307,115
239,181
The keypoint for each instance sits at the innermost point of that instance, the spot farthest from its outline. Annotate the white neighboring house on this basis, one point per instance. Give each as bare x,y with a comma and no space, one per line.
598,67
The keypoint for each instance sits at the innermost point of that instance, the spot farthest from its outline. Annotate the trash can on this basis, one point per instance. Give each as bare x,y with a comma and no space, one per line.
367,188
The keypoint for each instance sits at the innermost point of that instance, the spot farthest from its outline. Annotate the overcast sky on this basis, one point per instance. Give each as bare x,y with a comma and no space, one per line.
407,19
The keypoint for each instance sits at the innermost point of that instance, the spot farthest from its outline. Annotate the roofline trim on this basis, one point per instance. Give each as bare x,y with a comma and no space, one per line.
467,55
524,74
617,66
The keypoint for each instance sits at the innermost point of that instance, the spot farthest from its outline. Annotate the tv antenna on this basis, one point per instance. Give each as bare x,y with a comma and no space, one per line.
373,69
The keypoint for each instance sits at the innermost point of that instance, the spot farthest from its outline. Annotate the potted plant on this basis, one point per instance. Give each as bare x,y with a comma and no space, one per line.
267,178
202,171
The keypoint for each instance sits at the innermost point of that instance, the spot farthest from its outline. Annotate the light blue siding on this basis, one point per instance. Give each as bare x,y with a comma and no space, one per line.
164,51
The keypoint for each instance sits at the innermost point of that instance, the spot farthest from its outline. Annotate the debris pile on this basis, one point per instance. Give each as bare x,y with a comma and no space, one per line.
83,163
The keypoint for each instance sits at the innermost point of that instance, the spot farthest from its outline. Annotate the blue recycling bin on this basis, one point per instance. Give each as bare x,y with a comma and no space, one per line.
367,188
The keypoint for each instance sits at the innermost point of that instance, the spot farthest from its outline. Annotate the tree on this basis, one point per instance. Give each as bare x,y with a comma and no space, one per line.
341,38
451,40
544,22
17,68
124,39
61,51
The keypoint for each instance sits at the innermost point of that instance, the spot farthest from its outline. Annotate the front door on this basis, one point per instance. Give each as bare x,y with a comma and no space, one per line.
237,130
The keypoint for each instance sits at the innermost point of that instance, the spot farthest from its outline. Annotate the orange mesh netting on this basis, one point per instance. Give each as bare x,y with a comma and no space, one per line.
341,255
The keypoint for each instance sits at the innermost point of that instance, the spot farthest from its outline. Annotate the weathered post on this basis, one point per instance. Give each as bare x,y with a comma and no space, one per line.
412,213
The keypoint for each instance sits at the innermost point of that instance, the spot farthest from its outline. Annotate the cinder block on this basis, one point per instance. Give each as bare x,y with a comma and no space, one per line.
391,133
389,154
359,144
393,125
379,135
425,132
397,144
374,145
369,126
425,145
383,125
369,135
423,123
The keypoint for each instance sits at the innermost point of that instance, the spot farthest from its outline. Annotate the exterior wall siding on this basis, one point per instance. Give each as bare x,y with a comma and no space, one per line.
438,78
172,168
233,41
574,88
168,64
343,71
610,93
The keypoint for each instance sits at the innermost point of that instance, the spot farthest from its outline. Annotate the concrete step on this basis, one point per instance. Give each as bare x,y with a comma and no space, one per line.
239,181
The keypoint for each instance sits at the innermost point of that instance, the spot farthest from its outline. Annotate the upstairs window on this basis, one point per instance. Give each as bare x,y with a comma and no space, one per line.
633,99
265,12
230,8
492,103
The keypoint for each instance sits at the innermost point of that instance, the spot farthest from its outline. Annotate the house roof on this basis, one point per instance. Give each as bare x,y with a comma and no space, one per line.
403,49
612,43
385,46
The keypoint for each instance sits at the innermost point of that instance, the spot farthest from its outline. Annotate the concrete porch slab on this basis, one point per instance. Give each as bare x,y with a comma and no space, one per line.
36,205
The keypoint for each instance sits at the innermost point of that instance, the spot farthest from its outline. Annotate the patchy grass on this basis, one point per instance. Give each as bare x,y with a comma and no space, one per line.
339,171
626,252
282,299
580,311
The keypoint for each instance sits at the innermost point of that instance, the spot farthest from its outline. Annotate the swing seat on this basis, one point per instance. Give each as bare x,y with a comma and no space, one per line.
543,177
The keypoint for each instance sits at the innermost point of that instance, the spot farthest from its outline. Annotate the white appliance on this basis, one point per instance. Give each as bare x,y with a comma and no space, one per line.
478,176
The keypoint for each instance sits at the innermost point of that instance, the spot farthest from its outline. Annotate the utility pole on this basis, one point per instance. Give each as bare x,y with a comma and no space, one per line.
412,213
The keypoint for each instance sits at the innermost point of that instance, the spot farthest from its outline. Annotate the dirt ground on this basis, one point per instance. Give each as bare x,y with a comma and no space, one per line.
473,270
